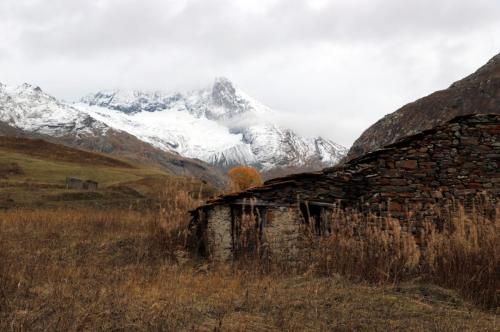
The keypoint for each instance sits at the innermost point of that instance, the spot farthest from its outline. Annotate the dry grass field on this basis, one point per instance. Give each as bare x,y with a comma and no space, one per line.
114,259
124,270
106,271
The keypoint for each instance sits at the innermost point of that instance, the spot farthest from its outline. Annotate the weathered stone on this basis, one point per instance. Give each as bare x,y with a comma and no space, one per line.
437,194
395,206
219,233
409,180
407,164
427,164
398,182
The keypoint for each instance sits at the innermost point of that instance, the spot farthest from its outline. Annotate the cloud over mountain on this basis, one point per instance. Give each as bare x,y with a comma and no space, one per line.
318,62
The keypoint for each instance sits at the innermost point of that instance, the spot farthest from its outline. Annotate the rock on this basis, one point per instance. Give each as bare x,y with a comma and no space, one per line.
435,109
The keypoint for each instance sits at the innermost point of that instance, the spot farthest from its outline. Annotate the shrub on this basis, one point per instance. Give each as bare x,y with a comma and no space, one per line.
244,177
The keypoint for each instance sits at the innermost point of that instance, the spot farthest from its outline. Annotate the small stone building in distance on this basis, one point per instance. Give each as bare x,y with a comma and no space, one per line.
75,183
458,161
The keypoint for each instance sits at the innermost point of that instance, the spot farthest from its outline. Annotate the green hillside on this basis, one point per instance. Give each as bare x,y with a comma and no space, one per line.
39,170
33,174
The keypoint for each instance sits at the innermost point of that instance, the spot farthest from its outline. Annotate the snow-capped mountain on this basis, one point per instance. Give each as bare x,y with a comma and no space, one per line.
27,111
29,108
220,124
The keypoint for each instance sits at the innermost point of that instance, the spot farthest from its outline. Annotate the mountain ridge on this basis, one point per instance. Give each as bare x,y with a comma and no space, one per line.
219,125
237,128
27,111
477,93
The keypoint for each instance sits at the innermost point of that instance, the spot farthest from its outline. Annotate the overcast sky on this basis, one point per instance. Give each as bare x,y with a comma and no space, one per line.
332,67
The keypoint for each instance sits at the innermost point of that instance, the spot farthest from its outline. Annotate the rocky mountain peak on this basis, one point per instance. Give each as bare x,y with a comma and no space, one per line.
224,93
26,87
228,102
132,101
26,92
219,124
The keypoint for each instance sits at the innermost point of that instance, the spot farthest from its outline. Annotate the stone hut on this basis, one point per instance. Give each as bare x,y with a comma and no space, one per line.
407,179
90,185
75,183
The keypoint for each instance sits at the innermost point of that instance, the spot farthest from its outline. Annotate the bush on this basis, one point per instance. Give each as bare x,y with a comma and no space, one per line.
243,177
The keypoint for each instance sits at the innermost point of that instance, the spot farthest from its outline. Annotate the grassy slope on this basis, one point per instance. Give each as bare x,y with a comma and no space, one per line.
48,171
86,269
45,166
45,150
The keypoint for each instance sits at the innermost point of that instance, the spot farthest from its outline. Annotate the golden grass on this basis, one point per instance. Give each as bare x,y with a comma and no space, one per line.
72,271
75,270
464,255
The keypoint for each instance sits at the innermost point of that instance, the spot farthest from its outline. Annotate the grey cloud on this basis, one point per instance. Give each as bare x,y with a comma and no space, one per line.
347,62
220,28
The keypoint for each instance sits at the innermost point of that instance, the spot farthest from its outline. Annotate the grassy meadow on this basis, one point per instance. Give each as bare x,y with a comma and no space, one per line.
100,261
113,270
33,175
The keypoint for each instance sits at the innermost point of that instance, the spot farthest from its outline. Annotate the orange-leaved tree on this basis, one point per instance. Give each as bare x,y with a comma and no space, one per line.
243,177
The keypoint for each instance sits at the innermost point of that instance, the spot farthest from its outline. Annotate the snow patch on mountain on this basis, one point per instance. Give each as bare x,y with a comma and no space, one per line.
169,130
29,108
219,124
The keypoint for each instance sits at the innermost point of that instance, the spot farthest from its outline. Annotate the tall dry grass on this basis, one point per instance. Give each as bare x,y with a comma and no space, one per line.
465,255
169,229
462,252
452,248
84,270
124,270
457,250
367,248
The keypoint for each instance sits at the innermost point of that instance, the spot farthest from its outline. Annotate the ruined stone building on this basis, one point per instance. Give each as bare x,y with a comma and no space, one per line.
75,183
407,179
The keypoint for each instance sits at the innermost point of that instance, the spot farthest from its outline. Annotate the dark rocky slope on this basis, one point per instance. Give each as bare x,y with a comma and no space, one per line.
477,93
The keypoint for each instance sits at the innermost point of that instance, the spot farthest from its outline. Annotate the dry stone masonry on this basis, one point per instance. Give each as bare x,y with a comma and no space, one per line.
410,180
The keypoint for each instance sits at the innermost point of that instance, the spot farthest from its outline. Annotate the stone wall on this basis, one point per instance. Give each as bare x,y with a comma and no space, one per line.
281,232
219,234
457,160
454,162
408,180
227,237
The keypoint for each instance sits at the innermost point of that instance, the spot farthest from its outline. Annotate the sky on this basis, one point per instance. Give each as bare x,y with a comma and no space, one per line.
330,68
